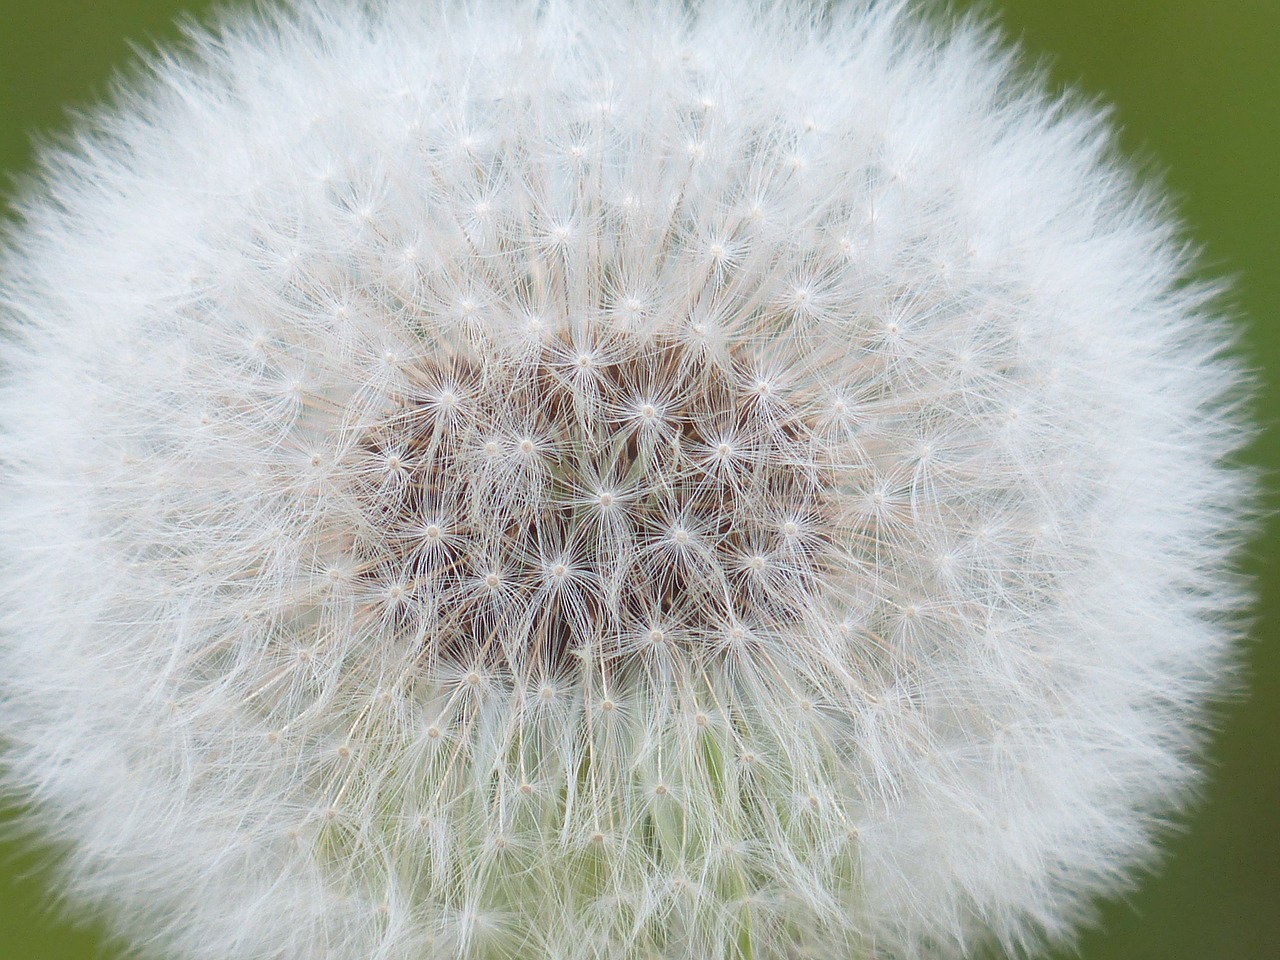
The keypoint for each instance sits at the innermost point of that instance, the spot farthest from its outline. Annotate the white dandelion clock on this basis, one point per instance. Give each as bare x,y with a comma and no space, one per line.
602,480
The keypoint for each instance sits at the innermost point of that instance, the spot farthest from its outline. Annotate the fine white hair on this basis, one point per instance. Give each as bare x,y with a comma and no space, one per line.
595,479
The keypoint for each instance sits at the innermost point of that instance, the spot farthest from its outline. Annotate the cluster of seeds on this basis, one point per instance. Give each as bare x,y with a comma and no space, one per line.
592,500
602,480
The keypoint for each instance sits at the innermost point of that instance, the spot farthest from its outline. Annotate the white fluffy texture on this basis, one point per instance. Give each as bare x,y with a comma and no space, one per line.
602,482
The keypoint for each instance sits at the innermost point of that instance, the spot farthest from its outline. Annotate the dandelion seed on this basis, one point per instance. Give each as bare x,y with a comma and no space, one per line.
605,479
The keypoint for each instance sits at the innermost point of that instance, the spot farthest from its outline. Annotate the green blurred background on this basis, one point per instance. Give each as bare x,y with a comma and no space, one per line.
1196,89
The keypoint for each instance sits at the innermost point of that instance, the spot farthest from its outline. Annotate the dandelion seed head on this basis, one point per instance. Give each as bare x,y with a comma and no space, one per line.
575,480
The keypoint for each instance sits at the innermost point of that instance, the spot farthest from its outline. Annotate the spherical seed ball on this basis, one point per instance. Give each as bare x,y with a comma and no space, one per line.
599,480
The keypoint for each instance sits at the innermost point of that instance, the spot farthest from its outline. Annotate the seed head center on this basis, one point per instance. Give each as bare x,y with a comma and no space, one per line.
601,523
